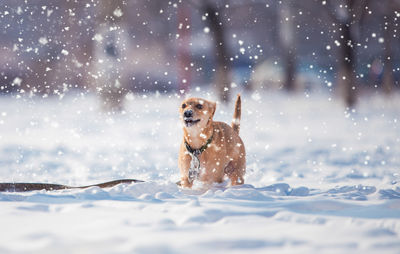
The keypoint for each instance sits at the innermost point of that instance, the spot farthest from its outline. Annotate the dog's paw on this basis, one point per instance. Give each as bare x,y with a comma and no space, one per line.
184,183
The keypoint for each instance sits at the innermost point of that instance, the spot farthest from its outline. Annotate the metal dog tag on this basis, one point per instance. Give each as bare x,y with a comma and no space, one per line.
194,170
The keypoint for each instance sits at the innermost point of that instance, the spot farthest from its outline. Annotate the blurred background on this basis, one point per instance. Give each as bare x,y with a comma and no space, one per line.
113,48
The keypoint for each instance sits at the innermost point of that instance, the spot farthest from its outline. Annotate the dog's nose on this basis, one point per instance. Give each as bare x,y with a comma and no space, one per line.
188,113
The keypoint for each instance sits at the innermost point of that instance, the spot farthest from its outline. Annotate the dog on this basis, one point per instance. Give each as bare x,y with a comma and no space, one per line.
210,150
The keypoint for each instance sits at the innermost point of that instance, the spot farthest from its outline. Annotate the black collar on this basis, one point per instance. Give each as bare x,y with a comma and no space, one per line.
197,152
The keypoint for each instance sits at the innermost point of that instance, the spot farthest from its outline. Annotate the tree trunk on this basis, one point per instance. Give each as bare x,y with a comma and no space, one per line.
287,41
290,69
184,70
222,78
111,83
346,74
388,80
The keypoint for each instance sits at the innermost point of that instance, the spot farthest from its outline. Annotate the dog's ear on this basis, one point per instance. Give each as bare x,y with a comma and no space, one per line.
213,107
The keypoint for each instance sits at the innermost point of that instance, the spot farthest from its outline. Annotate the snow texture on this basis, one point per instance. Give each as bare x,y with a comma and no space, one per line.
319,179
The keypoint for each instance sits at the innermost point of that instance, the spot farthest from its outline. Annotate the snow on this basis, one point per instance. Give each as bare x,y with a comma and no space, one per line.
319,179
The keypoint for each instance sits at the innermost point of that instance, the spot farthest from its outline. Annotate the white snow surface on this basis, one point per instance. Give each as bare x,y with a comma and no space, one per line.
319,179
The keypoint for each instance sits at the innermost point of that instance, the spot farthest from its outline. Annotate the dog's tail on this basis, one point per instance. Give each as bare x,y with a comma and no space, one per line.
237,114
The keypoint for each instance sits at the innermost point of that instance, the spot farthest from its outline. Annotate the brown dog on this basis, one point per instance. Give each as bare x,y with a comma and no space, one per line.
210,150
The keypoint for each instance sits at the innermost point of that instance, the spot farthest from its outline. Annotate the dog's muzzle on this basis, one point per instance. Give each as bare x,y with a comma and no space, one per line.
189,121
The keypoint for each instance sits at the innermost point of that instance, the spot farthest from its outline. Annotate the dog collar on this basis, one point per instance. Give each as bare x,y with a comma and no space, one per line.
199,151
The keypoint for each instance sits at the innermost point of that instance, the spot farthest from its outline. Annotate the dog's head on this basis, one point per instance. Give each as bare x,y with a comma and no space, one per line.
197,112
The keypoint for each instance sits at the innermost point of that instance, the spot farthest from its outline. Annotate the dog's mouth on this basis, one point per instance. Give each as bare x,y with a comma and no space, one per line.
190,121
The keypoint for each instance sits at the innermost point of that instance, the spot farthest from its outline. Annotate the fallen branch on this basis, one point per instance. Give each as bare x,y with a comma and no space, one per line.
21,187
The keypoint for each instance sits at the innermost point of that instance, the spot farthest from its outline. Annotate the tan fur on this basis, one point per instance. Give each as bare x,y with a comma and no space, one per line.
237,114
225,156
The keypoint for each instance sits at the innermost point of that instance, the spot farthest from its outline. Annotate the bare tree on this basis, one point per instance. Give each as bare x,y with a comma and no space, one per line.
109,55
347,15
184,70
286,36
388,79
222,78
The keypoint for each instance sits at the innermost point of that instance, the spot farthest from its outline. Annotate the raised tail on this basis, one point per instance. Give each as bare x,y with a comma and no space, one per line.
237,114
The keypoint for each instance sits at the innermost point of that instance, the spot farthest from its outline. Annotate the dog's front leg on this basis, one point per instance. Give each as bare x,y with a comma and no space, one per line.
186,177
184,165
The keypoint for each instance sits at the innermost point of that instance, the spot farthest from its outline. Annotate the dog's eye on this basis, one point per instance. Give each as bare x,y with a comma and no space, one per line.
183,105
199,106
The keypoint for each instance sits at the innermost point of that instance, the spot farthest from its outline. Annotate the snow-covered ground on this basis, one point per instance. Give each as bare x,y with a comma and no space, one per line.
319,179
